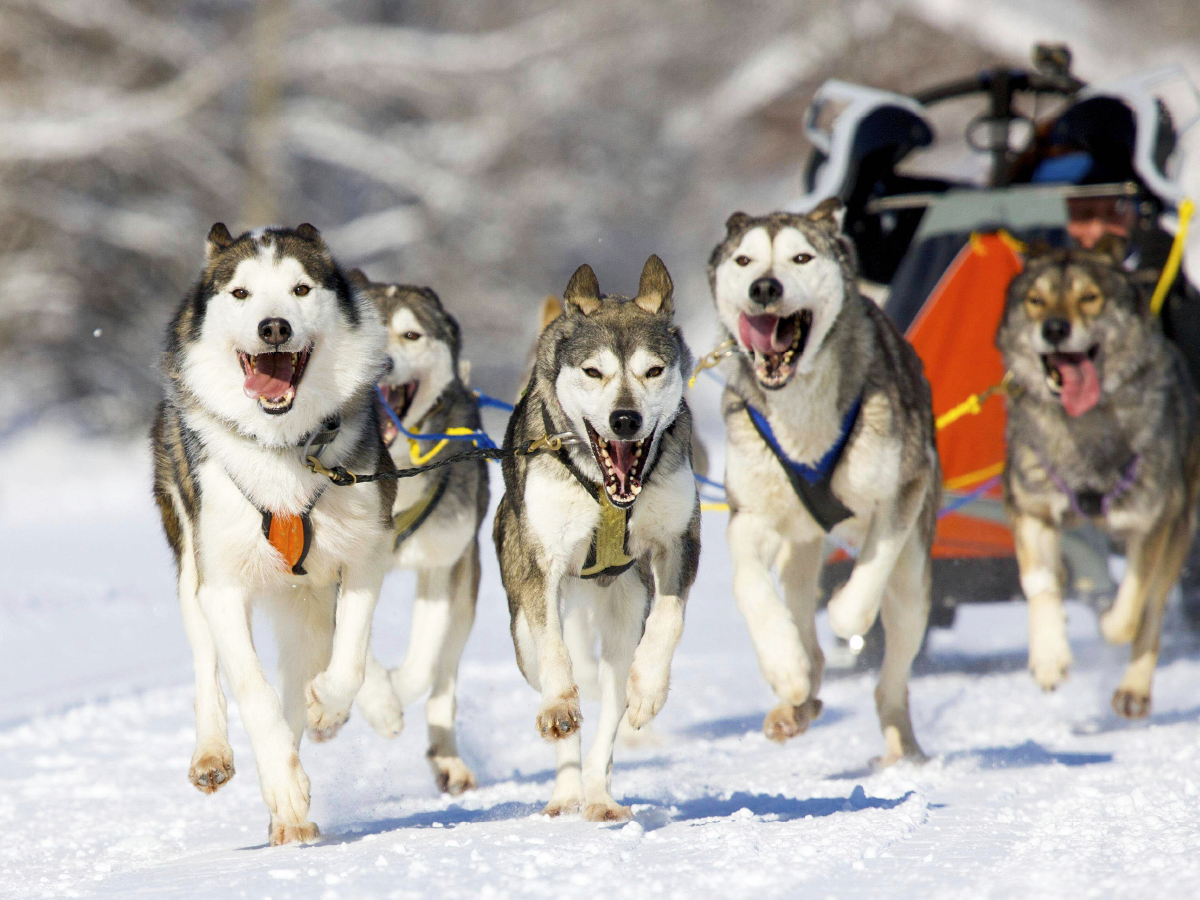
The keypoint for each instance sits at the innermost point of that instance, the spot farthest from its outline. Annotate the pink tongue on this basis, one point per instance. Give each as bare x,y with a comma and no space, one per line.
1080,386
622,456
760,333
271,378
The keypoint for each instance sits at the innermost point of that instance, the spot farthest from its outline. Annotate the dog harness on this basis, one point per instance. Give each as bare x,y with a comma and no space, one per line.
1089,503
409,520
813,484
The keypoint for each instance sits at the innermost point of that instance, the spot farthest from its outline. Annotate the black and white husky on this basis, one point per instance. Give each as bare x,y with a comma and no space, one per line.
612,519
270,353
437,514
829,423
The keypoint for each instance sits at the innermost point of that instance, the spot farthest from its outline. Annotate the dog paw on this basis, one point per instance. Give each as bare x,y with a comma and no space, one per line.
1049,665
451,774
913,755
292,832
1130,703
211,768
607,811
324,718
791,685
645,695
847,617
286,790
383,713
786,721
1117,626
562,806
560,717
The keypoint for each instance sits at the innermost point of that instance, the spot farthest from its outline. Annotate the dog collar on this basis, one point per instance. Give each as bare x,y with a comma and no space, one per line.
813,484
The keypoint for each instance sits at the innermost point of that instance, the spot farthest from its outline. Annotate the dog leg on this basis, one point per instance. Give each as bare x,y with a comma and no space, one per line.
559,714
377,701
581,644
304,632
1132,697
753,544
413,678
331,693
567,796
284,783
799,573
650,675
449,771
1120,623
855,605
212,761
619,612
1039,548
905,617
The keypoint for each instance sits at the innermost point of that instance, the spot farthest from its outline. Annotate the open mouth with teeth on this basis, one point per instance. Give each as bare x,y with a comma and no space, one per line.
776,343
622,463
272,378
399,398
1072,377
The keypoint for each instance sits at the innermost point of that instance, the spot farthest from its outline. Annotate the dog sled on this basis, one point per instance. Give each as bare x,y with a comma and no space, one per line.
939,237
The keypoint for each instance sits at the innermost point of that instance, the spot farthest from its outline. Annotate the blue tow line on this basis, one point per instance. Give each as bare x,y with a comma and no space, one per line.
478,437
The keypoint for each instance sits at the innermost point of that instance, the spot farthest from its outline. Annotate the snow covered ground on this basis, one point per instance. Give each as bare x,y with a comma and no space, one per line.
1027,795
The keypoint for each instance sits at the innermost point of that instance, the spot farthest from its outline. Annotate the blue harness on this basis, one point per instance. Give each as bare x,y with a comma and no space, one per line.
813,483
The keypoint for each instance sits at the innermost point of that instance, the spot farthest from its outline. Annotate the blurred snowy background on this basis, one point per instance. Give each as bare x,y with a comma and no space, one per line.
484,148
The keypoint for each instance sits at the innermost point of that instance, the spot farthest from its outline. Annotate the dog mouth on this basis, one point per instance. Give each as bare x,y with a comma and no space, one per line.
399,398
622,464
776,343
1073,379
272,378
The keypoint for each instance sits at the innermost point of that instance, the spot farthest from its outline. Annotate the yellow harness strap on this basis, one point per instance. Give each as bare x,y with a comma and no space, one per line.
1174,258
609,543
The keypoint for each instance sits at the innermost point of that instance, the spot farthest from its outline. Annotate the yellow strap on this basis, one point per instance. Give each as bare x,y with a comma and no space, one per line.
1174,258
610,538
714,507
419,459
969,407
975,477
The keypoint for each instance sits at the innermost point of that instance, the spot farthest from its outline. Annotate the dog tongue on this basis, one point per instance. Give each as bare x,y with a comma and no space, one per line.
763,334
1080,384
271,378
622,455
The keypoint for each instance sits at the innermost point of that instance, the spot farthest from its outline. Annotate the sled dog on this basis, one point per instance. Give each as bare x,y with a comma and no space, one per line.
270,356
829,425
1102,429
611,519
437,514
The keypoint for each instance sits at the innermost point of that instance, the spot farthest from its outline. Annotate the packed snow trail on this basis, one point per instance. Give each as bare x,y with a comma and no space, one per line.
1028,795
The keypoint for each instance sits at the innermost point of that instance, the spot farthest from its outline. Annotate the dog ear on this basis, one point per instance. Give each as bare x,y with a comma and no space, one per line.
1113,248
736,221
831,211
310,233
583,292
1036,249
218,239
655,288
551,310
358,278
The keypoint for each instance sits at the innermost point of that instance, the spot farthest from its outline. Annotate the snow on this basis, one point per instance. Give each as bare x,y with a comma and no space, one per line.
1027,795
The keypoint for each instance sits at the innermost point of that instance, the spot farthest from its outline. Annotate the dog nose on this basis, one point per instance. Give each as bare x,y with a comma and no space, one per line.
765,290
1055,331
388,365
275,331
625,423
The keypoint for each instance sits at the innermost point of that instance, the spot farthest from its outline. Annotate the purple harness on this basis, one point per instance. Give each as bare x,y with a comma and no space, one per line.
1092,504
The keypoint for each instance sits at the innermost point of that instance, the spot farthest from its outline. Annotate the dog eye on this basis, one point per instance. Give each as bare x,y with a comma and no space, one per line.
1090,299
801,258
654,371
1035,302
412,335
743,261
593,373
240,293
301,290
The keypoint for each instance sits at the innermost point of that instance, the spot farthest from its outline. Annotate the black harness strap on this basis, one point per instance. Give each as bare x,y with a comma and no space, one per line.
430,504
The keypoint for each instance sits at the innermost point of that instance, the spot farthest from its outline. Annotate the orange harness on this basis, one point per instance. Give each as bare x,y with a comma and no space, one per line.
290,535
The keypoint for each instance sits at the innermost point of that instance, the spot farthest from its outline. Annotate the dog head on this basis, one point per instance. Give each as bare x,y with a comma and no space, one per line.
423,344
272,338
779,282
1074,327
617,366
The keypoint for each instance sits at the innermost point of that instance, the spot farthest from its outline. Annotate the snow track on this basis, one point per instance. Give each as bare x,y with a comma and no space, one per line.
1028,795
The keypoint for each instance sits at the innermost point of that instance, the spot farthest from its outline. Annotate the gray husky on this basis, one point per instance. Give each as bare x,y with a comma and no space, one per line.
273,355
611,519
1101,428
437,514
830,428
